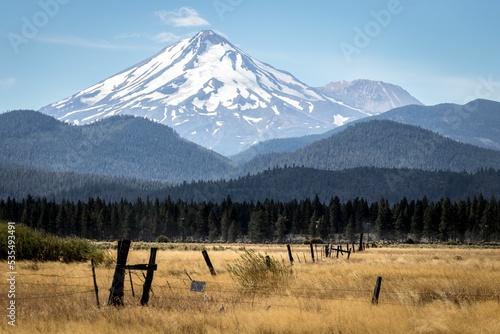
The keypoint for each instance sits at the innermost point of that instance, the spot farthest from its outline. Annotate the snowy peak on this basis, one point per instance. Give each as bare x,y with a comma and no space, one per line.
208,36
373,96
211,93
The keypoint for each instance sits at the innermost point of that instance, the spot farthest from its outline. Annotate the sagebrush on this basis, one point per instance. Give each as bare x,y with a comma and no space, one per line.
256,272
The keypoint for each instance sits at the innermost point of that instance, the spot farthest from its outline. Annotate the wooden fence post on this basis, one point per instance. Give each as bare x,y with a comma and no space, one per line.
149,277
131,283
312,251
209,263
290,256
376,292
95,285
116,290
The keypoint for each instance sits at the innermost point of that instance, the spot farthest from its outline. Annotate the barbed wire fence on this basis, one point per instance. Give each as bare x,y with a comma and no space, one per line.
174,292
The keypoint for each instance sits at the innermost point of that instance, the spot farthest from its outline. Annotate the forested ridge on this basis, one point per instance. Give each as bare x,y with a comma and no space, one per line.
469,220
123,146
382,144
282,184
396,181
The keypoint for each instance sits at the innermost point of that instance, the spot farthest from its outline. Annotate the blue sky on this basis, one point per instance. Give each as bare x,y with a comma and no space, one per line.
439,51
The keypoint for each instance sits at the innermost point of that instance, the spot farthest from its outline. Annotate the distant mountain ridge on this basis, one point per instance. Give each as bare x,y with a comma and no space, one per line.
382,144
373,96
476,123
127,146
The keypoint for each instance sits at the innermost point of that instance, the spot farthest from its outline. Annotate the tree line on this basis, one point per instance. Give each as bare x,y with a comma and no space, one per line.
469,220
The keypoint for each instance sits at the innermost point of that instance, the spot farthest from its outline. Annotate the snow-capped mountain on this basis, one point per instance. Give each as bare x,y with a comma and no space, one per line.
211,93
373,96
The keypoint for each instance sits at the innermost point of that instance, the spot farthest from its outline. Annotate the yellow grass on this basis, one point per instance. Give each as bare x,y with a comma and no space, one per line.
423,291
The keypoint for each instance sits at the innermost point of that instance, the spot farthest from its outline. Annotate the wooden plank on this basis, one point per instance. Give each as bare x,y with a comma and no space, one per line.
141,267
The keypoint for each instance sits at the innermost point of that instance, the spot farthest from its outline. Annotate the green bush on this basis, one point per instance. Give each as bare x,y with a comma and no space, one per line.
258,273
162,239
40,246
313,241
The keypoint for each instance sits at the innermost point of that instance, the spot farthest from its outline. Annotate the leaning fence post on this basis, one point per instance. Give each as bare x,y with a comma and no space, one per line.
209,263
131,283
312,251
149,277
95,284
376,292
268,262
290,256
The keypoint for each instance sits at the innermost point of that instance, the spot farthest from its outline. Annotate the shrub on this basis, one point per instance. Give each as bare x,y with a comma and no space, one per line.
258,273
317,241
162,239
40,246
313,241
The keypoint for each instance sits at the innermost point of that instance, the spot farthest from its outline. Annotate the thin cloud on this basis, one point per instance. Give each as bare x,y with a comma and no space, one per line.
183,17
83,43
8,82
165,37
162,37
125,35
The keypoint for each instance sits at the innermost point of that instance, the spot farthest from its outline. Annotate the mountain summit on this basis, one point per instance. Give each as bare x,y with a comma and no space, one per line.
211,93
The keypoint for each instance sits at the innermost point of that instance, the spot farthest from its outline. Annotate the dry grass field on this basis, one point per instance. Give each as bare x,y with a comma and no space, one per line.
424,290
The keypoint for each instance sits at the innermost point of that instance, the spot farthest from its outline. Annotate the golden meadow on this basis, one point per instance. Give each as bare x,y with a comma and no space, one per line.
424,290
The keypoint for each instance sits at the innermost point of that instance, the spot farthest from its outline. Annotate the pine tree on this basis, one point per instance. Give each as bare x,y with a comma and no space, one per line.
257,220
430,226
336,223
280,229
417,221
213,228
350,230
383,223
445,224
